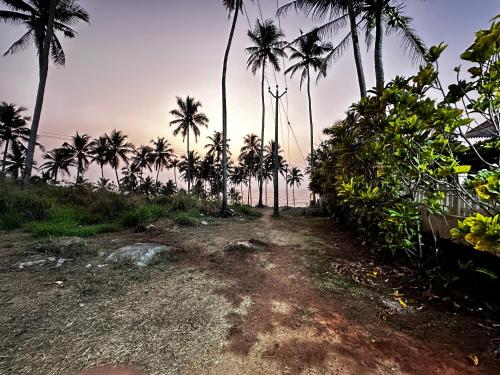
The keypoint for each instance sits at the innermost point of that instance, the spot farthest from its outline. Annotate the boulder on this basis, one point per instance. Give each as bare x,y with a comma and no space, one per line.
243,246
142,254
64,247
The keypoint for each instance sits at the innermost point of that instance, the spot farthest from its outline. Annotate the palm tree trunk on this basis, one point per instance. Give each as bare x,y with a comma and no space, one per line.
224,207
4,157
102,172
379,66
78,169
266,191
157,174
242,196
44,71
261,153
310,124
357,53
293,193
117,179
286,186
188,164
175,175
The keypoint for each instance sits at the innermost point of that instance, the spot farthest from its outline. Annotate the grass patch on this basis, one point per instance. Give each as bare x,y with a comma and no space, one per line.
325,273
11,220
71,229
248,212
186,219
142,215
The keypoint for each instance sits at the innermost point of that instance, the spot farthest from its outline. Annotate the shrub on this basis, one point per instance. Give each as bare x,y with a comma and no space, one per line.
186,219
142,215
11,220
248,212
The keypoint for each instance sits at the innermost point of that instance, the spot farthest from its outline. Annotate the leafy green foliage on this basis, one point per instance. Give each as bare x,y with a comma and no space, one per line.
397,153
481,231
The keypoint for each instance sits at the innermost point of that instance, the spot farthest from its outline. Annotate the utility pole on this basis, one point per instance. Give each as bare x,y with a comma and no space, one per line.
275,150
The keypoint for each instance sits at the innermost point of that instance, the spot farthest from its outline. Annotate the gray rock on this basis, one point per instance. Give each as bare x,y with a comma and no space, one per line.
142,254
65,247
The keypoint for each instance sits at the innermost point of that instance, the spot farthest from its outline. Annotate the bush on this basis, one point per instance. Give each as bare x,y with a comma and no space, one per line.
186,219
11,220
248,212
142,215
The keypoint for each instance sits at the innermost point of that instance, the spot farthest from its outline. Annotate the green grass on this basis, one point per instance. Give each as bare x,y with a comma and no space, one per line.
248,212
325,273
188,218
71,229
142,215
11,220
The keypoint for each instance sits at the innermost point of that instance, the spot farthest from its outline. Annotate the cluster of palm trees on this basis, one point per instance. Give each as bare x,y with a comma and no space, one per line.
137,169
46,21
310,52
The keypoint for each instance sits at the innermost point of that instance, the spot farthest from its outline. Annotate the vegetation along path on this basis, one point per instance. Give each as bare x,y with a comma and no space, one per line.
299,296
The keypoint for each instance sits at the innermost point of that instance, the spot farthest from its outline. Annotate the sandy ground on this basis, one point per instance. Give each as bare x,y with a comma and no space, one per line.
310,300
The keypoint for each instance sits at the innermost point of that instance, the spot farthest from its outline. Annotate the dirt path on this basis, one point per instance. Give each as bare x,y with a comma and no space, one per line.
308,301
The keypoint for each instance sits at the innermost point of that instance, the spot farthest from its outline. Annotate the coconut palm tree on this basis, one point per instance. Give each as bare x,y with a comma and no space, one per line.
310,52
99,152
268,48
162,153
13,128
44,21
295,178
249,158
232,6
216,146
387,16
118,151
238,177
143,158
188,166
174,162
188,117
336,14
58,160
131,179
16,160
80,148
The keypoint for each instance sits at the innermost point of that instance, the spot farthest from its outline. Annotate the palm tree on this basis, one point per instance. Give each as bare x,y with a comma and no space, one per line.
231,6
294,179
249,158
80,149
118,151
311,53
131,179
174,162
188,118
16,160
43,21
12,128
162,153
143,158
237,177
268,48
188,166
337,13
382,16
58,160
216,146
100,152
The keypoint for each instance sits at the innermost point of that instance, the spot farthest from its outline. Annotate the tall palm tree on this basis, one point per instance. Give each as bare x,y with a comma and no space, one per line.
58,160
188,117
268,48
188,166
174,162
249,158
143,158
80,148
118,151
310,53
43,21
163,153
100,152
13,128
231,6
238,177
336,13
16,160
387,16
294,178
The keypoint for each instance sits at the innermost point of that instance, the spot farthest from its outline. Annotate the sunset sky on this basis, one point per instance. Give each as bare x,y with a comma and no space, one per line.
124,69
